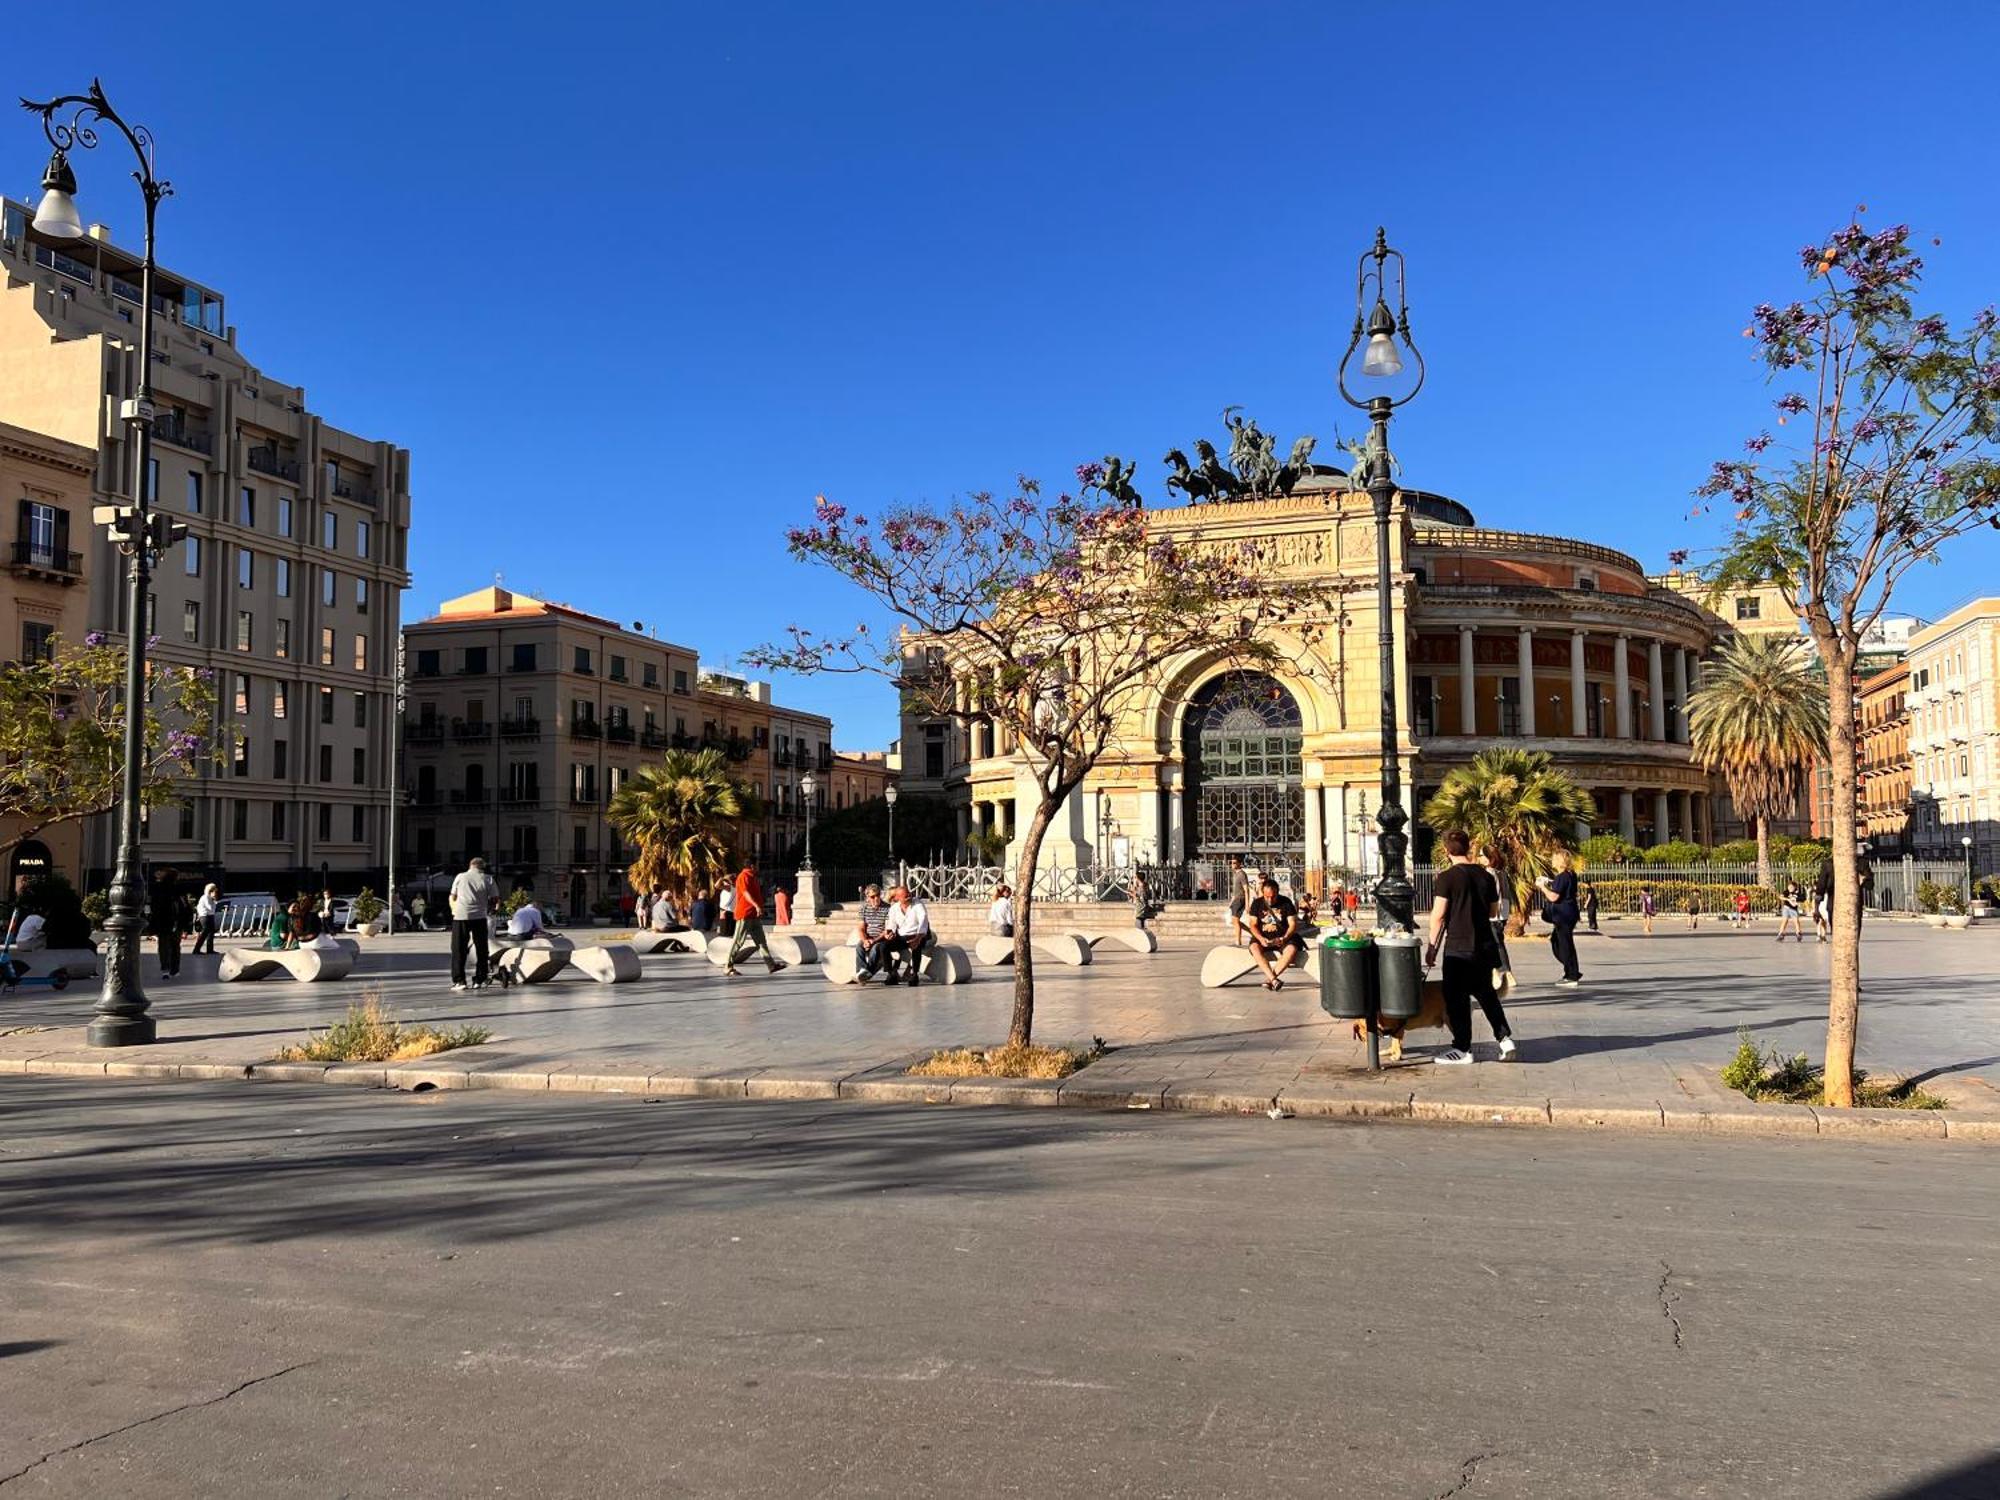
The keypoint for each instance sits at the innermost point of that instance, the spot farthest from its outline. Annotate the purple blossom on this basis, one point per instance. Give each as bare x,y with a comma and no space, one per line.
1677,557
95,638
1088,474
152,641
1758,443
1867,429
1791,403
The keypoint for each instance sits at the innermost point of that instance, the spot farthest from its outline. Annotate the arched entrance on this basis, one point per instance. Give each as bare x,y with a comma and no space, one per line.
1241,745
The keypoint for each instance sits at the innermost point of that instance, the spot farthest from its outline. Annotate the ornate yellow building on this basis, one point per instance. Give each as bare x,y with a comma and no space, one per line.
1501,637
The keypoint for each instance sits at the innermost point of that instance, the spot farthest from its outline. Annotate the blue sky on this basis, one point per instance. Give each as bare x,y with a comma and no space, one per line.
634,282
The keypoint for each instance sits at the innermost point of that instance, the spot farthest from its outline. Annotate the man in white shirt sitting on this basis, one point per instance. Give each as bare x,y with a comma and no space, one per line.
665,916
907,932
526,922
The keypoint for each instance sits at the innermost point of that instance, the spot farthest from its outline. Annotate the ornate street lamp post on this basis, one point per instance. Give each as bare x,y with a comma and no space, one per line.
1965,841
67,121
1375,323
808,784
889,796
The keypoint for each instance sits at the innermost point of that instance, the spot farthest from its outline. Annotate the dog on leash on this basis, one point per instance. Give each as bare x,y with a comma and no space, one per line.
1430,1013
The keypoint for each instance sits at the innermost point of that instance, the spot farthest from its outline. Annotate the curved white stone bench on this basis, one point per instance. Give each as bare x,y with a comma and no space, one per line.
614,963
536,961
1138,939
1058,947
841,965
785,948
1229,963
946,963
667,942
323,958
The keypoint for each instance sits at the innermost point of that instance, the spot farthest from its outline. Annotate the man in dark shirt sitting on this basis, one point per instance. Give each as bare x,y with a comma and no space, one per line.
1272,923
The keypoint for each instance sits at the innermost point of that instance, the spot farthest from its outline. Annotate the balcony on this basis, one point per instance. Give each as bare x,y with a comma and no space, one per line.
428,669
423,731
781,757
522,666
520,796
32,557
270,461
347,489
583,856
422,798
183,436
826,760
652,738
461,730
472,796
474,669
587,797
620,734
527,728
585,729
683,742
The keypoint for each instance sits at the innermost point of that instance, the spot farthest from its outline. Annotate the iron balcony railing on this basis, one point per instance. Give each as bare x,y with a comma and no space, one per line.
267,461
520,729
460,730
585,729
620,734
473,796
183,436
48,559
421,731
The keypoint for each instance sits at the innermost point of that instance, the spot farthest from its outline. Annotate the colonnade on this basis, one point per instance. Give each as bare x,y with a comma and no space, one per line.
1670,672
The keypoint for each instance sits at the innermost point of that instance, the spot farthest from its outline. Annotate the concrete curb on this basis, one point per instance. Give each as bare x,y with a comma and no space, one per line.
1712,1111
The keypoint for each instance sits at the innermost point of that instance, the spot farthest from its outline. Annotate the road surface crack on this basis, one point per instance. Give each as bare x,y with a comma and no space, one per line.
158,1416
1667,1301
1466,1473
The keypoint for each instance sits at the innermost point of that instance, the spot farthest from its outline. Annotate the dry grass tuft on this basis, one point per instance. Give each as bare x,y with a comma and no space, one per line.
366,1034
1008,1062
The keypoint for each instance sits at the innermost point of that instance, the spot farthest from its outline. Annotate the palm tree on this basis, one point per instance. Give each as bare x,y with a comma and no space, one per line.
1519,804
1760,718
676,815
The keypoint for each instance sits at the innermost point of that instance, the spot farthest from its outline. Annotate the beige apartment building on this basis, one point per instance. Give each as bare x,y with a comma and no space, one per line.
288,586
525,716
47,594
1953,702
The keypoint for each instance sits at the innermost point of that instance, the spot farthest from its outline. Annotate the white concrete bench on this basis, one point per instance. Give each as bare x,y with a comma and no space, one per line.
667,942
1138,939
323,958
40,963
944,963
1058,947
1229,963
785,948
535,961
614,963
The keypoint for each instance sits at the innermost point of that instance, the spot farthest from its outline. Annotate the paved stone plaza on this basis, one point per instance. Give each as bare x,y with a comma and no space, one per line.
1643,1039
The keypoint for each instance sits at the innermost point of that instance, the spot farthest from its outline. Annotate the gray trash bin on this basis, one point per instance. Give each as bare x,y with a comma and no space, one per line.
1347,978
1399,967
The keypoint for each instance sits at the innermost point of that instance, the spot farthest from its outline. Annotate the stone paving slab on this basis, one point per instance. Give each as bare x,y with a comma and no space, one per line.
1638,1048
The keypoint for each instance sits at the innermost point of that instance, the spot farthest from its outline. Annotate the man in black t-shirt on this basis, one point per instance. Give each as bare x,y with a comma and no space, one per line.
1272,923
1464,901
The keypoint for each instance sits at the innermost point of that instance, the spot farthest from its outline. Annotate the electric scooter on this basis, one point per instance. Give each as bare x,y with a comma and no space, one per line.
14,972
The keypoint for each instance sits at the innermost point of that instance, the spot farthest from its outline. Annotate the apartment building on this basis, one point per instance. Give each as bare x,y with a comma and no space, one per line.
47,595
858,776
288,586
1882,734
1954,735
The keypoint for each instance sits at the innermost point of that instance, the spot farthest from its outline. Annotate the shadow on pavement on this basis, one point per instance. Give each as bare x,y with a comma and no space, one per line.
1978,1479
27,1346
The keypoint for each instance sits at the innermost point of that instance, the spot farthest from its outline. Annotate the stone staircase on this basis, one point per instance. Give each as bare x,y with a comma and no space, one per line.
1181,923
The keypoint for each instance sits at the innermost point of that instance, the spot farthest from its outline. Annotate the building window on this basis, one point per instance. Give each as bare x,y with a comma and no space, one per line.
281,751
245,629
329,581
38,641
246,506
280,699
325,764
361,768
281,639
360,538
191,556
329,531
361,595
41,537
242,696
191,620
326,705
360,710
475,661
583,659
524,658
326,646
284,515
360,828
283,578
194,493
650,674
326,822
618,669
680,681
428,664
277,820
241,765
239,819
187,821
361,653
1749,607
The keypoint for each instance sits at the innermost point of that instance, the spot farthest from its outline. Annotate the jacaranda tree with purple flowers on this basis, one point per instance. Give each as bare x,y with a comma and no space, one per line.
1050,619
1897,416
62,734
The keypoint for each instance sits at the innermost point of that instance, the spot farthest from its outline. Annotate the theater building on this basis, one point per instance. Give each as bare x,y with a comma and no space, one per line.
1502,637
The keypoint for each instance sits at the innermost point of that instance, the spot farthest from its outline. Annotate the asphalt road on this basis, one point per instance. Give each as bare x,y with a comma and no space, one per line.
285,1290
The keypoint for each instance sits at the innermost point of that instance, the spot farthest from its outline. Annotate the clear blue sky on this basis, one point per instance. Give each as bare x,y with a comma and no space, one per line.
634,282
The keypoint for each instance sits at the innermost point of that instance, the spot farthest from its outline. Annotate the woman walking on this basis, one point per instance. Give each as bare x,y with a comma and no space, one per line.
207,913
1789,913
1560,910
1648,909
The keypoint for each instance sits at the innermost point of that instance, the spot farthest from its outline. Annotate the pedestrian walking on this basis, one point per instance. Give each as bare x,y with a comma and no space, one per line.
747,905
1790,915
1503,911
1142,903
1353,906
473,898
1590,904
1649,907
1465,905
1239,899
1560,911
1694,909
168,916
208,917
1823,903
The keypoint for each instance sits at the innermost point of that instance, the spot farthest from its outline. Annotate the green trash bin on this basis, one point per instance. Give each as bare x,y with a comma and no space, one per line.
1399,975
1347,977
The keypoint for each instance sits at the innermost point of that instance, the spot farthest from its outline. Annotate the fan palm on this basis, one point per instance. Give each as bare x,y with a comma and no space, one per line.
1760,718
1517,803
676,816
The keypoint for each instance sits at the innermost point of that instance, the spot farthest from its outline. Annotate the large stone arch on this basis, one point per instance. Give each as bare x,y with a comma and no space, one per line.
1242,741
1192,674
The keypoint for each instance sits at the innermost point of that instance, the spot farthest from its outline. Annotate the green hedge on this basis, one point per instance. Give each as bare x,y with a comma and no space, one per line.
1671,896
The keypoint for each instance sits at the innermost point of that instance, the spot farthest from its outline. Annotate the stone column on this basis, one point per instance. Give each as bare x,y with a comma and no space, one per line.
1680,725
1176,831
1579,718
1628,822
1656,688
1660,833
1527,671
1150,848
1686,819
1621,687
1468,675
1315,833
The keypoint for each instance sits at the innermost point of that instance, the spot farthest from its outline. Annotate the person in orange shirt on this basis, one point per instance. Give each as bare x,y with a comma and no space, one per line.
749,923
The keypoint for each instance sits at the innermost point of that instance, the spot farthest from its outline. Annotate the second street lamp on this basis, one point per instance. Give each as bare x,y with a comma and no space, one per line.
69,122
807,786
1375,322
889,797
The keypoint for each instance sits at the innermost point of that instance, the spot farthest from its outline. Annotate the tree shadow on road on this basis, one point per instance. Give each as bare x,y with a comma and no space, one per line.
1977,1479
